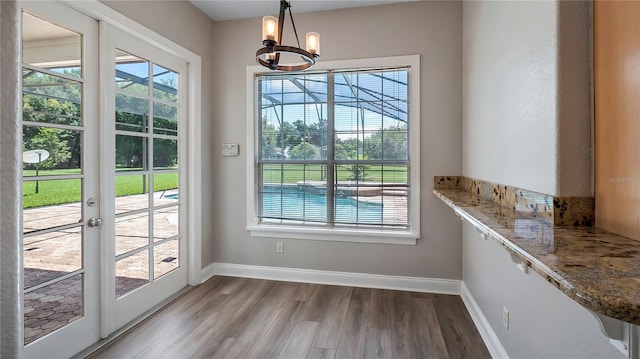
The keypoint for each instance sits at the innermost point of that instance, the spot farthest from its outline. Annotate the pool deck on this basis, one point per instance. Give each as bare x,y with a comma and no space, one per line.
392,197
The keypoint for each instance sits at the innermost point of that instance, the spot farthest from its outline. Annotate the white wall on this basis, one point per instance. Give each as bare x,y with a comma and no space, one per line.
543,322
431,29
526,95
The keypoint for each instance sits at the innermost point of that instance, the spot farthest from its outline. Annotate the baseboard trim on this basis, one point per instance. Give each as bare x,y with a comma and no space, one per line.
207,272
486,331
415,284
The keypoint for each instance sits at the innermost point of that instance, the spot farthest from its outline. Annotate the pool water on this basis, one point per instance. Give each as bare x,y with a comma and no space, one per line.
294,204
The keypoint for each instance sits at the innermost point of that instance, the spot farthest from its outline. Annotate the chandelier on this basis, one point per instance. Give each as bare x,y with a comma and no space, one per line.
269,55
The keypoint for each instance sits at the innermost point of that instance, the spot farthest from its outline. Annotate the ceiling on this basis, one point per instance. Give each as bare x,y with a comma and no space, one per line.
220,10
35,28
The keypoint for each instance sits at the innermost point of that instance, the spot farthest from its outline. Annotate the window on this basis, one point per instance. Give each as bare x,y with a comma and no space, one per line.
336,152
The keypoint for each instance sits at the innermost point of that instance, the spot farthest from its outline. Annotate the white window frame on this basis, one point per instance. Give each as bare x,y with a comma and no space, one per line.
342,234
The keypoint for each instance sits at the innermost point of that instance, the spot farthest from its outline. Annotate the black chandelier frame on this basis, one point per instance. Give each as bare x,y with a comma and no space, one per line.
273,47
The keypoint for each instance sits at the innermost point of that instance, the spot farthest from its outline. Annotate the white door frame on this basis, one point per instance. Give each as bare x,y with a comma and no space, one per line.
193,231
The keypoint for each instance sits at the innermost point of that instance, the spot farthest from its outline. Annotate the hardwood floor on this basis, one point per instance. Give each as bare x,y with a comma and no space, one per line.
250,318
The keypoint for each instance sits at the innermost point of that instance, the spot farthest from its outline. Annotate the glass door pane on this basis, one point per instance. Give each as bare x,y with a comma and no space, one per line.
146,244
52,137
147,237
59,294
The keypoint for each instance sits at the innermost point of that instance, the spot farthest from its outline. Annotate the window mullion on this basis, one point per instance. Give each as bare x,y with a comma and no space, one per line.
330,147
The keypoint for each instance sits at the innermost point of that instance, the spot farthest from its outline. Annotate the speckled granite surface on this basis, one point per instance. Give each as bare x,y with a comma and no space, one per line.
597,269
559,211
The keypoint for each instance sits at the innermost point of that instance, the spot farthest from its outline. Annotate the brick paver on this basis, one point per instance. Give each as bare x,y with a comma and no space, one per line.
56,254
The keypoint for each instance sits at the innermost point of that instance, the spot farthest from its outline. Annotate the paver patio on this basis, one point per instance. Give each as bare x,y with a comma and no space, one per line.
57,254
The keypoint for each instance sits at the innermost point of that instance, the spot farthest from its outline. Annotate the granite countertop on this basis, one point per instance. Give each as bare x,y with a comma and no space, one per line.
598,269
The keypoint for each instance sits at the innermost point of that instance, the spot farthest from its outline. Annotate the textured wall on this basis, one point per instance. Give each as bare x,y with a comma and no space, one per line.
431,29
509,93
10,177
527,95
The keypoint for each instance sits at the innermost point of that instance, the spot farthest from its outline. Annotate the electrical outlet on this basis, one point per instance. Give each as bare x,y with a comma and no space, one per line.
505,318
280,247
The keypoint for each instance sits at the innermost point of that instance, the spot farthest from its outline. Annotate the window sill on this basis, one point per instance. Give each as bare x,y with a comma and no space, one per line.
336,235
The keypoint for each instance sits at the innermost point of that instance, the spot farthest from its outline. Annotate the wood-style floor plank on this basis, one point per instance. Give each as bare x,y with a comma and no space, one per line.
361,294
274,340
378,344
460,334
401,334
205,340
227,321
250,319
354,331
333,318
429,343
244,307
321,353
299,342
151,329
316,305
380,314
259,321
303,291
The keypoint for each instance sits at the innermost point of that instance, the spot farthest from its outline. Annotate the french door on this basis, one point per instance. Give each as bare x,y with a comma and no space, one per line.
61,180
103,178
143,156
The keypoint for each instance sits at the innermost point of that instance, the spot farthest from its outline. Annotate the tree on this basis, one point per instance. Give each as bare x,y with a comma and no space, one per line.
48,139
353,147
269,143
389,144
339,152
46,99
357,172
305,151
288,136
165,152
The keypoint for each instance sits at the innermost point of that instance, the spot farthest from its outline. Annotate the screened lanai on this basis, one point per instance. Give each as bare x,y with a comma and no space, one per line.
383,92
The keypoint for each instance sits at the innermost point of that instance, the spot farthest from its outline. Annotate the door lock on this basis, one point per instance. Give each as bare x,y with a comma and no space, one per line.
94,222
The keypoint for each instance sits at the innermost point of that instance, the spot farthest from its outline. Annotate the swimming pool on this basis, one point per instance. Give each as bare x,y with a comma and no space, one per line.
294,204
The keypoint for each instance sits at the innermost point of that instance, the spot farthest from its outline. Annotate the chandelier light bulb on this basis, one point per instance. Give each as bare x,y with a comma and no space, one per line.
270,55
270,28
313,42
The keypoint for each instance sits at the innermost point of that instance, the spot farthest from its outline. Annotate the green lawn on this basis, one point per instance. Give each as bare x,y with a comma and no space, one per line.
273,173
68,190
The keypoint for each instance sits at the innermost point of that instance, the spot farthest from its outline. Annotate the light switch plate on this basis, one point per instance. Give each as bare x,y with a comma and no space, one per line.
230,149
